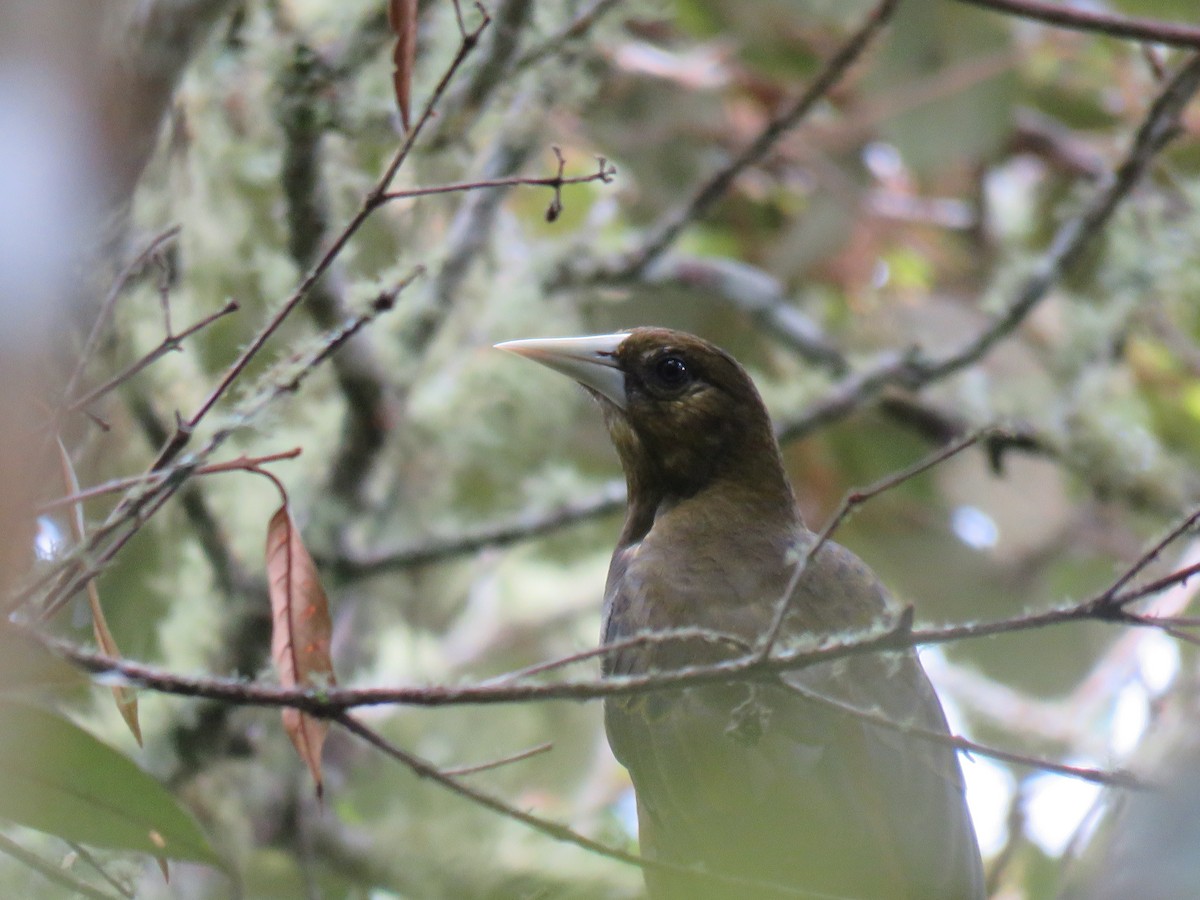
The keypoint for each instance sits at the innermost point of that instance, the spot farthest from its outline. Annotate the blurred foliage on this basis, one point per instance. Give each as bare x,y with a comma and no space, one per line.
901,213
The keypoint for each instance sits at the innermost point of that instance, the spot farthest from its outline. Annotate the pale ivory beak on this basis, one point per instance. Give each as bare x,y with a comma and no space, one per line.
589,360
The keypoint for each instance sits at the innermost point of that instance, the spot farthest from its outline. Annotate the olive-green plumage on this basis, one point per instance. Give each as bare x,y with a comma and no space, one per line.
755,782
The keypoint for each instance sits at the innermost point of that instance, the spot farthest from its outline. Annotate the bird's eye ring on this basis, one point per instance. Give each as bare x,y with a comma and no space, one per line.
672,372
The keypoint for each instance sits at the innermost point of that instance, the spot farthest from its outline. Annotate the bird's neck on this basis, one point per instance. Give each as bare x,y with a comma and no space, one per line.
757,497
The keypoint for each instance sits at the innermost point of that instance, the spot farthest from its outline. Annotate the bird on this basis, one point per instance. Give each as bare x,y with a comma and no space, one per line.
754,789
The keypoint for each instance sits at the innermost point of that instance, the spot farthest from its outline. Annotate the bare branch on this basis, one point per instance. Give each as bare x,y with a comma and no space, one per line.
851,501
242,463
498,763
70,574
608,500
104,313
491,71
370,203
1085,19
1083,773
333,702
915,371
664,234
305,113
1159,127
49,871
604,173
1112,598
750,665
169,343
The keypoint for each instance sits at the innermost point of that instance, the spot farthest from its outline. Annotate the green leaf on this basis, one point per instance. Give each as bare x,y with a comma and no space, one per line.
57,778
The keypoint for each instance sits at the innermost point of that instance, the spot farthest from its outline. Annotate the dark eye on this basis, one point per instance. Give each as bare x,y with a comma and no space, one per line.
672,372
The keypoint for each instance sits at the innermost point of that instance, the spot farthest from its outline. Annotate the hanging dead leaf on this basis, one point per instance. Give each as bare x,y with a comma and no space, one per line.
402,17
125,697
300,632
163,866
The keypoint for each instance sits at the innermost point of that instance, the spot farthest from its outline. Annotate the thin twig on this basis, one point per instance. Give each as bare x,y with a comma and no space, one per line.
373,200
1166,626
490,73
124,484
498,763
962,744
849,503
748,666
71,573
1079,18
458,15
604,173
134,266
333,702
915,371
50,872
306,113
1112,598
644,639
608,500
90,859
1160,125
664,234
168,343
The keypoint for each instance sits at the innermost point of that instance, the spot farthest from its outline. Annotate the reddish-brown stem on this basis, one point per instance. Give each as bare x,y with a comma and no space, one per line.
374,199
242,463
604,174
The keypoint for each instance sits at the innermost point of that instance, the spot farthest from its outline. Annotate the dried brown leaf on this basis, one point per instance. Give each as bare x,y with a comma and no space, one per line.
125,697
300,633
163,865
402,17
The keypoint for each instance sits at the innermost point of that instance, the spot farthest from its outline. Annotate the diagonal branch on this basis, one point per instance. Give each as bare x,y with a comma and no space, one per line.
668,229
1160,126
915,371
1088,19
750,666
71,573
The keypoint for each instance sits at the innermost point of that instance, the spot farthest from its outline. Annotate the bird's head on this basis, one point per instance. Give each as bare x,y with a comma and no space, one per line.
682,413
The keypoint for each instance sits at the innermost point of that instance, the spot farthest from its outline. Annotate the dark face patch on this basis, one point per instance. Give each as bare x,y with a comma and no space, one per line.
687,405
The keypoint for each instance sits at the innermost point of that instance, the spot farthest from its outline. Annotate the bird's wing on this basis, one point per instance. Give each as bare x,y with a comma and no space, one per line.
766,782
